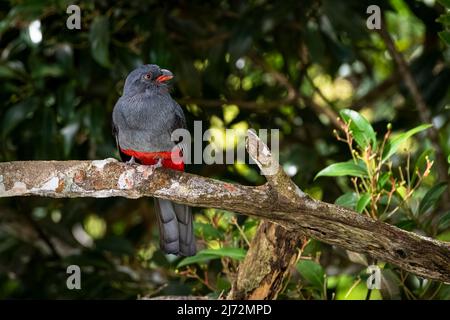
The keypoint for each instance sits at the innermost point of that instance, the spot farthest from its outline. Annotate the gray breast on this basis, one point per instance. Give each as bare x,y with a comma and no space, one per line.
145,123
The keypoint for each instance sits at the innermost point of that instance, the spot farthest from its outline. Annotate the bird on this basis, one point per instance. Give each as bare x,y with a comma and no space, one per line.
143,120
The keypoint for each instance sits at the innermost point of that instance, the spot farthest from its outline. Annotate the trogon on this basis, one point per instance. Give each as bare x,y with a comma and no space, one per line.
144,118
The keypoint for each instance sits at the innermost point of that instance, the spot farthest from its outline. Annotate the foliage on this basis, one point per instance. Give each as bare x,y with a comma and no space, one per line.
238,64
445,20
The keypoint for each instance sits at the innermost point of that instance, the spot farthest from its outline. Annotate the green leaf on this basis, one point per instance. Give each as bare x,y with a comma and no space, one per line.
444,236
363,132
207,231
444,293
342,169
445,36
16,114
444,221
421,163
7,73
363,202
198,258
234,253
222,283
347,200
393,144
99,39
432,196
43,71
407,224
210,254
312,272
383,179
401,191
444,19
445,3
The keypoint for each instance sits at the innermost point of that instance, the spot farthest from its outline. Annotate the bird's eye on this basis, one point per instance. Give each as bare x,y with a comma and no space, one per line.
148,76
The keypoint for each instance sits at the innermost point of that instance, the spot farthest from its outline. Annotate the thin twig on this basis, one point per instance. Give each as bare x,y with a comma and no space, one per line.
424,110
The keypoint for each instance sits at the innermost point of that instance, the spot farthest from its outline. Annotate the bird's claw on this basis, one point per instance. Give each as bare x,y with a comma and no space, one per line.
131,161
158,164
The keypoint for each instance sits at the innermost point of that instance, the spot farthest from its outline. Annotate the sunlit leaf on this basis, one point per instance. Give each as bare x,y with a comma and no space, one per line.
209,254
363,132
444,236
234,253
383,179
363,201
401,191
314,192
207,231
343,169
393,144
198,258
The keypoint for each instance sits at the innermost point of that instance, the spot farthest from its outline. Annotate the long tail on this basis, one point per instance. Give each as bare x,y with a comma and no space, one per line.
176,229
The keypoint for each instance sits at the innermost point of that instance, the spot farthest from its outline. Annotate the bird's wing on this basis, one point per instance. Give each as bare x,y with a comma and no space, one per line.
115,132
179,122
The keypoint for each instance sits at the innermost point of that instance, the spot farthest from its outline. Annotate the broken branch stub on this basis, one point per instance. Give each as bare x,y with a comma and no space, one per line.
278,201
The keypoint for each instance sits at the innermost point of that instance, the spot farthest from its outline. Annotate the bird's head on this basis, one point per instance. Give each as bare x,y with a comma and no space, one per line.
145,77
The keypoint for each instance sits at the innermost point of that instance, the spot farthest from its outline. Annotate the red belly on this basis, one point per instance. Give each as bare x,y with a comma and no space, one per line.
170,159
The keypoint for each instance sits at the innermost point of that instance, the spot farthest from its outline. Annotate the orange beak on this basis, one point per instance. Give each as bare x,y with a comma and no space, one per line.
165,76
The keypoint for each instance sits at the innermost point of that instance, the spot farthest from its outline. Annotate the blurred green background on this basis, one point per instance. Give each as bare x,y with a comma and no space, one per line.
238,64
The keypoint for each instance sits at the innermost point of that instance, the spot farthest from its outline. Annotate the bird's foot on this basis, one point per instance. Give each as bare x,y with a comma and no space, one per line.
158,164
131,161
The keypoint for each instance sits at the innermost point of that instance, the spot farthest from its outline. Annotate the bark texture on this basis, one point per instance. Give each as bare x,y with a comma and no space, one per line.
272,253
279,201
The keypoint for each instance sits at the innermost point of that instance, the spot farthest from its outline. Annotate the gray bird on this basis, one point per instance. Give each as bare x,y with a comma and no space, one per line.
144,118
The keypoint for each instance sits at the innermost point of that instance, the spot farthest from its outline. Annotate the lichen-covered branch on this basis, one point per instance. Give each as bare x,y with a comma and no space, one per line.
278,201
274,249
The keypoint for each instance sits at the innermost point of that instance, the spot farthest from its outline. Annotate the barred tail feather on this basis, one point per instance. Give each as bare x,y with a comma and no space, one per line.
175,227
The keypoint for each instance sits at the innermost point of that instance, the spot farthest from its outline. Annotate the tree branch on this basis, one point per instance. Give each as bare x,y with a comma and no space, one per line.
272,253
273,250
255,106
279,201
